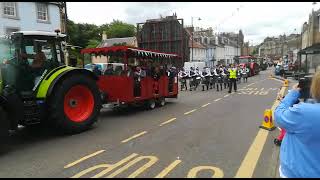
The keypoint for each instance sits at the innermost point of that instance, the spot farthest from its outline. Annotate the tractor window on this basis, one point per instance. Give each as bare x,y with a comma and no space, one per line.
41,52
6,50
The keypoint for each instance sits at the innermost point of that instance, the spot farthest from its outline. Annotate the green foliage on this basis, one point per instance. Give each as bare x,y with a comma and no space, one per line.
90,35
85,35
93,43
118,29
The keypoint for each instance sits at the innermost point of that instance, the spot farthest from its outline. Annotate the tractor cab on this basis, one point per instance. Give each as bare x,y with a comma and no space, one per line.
27,55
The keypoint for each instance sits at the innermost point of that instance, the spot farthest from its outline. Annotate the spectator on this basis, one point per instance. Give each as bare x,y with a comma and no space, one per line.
299,153
96,70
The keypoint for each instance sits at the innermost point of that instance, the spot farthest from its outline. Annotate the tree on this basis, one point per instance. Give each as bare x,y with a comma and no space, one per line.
81,34
90,35
119,29
93,43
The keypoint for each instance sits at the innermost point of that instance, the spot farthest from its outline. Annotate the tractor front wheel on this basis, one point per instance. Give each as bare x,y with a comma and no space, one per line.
75,104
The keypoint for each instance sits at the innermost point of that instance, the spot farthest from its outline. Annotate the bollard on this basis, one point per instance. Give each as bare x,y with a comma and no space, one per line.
267,122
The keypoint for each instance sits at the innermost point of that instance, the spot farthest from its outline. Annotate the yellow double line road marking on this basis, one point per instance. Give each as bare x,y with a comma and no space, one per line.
83,158
190,111
166,122
134,136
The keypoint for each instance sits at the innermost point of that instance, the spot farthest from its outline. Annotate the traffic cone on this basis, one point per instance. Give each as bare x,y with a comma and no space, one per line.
286,83
267,122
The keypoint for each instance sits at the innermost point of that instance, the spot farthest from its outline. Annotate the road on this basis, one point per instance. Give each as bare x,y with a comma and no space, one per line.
200,134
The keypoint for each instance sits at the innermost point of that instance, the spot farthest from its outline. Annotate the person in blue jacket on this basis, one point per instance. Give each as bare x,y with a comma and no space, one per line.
300,148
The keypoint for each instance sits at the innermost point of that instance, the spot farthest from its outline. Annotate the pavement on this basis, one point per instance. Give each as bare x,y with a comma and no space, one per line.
200,134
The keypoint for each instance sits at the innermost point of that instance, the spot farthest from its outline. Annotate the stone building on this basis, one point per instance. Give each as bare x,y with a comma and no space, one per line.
277,47
30,16
310,43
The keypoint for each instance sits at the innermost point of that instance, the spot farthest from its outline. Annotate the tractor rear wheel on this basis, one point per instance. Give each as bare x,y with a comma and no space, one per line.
75,104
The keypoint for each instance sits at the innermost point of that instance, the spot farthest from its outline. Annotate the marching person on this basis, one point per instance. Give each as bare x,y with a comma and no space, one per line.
218,77
193,75
212,77
205,76
232,78
245,72
183,75
239,75
224,73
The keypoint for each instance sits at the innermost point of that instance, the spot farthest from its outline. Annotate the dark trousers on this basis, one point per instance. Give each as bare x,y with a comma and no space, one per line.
233,81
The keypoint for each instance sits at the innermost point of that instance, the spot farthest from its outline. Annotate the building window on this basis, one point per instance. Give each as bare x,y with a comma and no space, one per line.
9,9
42,12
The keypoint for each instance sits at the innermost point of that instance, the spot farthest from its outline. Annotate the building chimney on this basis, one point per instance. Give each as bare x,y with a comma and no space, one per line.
104,35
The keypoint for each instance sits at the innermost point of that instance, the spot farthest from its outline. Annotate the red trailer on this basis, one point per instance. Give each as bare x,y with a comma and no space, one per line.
151,87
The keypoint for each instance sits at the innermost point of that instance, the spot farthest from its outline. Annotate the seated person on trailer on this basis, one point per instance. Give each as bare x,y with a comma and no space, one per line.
109,71
137,81
119,71
96,70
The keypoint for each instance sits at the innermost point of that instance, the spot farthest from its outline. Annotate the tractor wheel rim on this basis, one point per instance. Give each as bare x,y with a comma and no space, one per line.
78,103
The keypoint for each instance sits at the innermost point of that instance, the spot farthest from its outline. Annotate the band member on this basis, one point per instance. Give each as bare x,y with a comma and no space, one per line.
183,75
245,72
219,77
205,77
192,75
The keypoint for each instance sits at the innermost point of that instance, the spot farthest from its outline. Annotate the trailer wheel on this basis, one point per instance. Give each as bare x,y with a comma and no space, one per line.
75,104
162,101
151,104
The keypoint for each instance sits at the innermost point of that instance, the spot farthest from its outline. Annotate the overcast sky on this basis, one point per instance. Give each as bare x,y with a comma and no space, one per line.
256,19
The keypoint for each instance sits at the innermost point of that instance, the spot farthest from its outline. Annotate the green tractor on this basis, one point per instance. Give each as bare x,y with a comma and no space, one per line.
38,87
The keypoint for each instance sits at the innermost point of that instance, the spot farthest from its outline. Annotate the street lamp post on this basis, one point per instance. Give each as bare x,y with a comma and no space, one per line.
192,36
